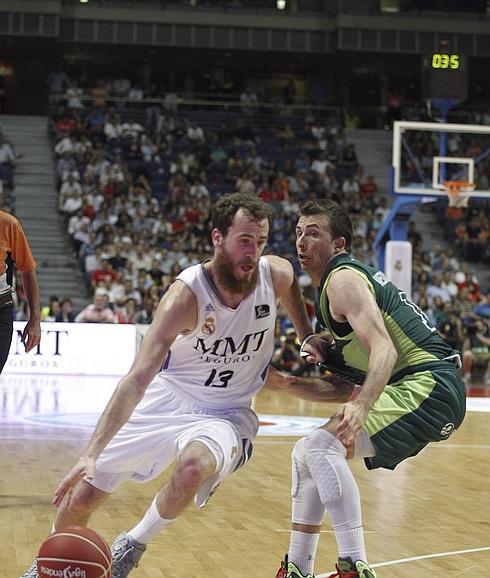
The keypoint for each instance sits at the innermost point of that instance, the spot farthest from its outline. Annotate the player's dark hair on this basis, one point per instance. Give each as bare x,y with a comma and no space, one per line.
225,209
338,219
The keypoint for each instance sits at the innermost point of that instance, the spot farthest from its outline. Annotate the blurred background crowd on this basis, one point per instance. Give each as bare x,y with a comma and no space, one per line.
135,187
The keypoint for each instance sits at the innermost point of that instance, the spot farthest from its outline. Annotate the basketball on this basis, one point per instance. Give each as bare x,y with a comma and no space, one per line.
74,552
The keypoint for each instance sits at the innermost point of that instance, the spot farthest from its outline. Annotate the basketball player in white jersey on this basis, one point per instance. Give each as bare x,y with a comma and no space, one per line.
188,394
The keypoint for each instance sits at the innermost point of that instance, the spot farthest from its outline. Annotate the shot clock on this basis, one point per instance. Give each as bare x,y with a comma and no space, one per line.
445,75
442,61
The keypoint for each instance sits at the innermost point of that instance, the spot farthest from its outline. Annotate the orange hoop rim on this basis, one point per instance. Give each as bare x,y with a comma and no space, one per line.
457,187
454,190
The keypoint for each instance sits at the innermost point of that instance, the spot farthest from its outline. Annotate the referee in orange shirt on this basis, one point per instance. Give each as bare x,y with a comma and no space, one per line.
14,249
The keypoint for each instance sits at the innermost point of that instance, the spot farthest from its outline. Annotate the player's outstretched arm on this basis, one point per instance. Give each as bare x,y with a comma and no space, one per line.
176,313
328,388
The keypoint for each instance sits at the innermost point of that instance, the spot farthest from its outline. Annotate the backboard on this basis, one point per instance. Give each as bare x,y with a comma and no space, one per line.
426,154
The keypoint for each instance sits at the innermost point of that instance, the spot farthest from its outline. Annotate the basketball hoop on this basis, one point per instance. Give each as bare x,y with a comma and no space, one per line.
454,190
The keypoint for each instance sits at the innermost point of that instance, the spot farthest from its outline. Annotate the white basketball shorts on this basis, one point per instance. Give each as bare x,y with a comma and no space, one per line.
161,427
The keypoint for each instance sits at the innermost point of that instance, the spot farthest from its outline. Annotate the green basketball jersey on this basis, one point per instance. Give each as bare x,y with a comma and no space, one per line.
415,339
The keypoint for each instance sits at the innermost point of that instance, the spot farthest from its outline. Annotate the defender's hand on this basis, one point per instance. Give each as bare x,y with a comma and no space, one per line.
352,417
314,347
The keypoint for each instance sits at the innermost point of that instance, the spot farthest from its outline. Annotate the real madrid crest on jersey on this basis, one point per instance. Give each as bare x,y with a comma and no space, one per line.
208,326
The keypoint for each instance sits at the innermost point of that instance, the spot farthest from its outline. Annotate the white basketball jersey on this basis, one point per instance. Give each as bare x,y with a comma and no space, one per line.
223,362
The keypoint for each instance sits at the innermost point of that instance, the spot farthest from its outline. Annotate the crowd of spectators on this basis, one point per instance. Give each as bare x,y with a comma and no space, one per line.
450,296
135,186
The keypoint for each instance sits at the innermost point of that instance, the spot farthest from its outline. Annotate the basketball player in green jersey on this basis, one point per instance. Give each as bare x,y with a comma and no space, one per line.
411,392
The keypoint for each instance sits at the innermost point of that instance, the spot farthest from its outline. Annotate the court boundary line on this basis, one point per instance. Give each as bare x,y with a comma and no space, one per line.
432,445
416,558
261,440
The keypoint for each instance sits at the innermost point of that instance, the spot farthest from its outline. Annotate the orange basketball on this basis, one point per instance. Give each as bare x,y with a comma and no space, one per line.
74,552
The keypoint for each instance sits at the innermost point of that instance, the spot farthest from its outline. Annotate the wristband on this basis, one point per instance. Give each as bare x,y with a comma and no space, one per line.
305,339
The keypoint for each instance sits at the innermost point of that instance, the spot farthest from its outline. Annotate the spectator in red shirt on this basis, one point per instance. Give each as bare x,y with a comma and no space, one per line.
105,272
65,125
193,212
177,225
265,193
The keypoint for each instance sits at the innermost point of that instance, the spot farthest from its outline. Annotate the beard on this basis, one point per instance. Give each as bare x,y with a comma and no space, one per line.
224,268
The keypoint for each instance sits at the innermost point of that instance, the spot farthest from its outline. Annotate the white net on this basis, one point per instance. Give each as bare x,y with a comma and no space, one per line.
456,193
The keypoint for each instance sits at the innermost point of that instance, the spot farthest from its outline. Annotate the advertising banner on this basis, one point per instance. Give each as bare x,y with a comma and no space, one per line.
75,349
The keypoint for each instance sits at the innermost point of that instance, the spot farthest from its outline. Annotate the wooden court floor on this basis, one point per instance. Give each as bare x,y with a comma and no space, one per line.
430,517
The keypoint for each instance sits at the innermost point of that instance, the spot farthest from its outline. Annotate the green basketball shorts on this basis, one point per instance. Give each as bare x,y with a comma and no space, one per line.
426,406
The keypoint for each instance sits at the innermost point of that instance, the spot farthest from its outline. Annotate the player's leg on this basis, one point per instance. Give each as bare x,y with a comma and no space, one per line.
422,407
207,453
194,465
6,330
326,458
75,510
306,517
129,455
77,507
322,480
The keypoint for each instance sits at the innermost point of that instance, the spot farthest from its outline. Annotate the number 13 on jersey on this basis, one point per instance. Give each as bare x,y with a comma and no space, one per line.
218,379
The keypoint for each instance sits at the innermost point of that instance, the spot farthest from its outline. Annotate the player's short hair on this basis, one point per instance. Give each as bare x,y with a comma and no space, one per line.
338,219
225,209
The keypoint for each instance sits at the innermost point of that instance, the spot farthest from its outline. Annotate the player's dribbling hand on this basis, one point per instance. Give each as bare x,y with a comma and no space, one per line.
84,468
